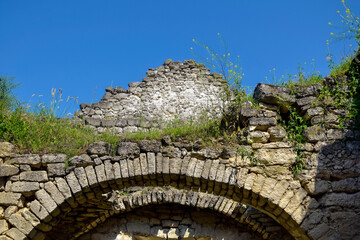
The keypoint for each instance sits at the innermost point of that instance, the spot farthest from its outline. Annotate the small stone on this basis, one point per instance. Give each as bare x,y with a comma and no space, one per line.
258,137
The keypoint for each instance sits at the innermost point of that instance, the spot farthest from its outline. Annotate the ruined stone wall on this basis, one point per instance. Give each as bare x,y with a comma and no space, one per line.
250,185
175,90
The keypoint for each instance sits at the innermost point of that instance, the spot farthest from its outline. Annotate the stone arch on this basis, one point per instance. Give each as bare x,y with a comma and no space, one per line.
282,200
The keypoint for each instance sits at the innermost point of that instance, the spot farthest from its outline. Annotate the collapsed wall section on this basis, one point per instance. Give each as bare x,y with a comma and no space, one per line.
175,90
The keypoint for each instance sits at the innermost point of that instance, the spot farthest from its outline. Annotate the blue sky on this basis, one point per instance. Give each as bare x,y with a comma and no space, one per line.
85,46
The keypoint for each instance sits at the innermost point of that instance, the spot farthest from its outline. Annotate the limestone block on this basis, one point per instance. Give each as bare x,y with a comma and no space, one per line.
20,223
8,170
311,112
261,123
53,158
91,176
81,177
275,156
3,226
109,170
46,200
81,161
128,150
99,148
315,134
258,137
124,168
150,145
74,183
151,164
144,164
273,95
56,169
277,133
15,233
34,176
6,149
29,159
25,187
40,211
207,152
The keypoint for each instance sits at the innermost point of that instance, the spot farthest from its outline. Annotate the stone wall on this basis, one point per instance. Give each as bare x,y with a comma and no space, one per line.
251,188
175,90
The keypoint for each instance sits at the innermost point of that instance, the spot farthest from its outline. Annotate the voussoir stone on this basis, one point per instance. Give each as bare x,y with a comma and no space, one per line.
99,148
128,150
81,161
8,170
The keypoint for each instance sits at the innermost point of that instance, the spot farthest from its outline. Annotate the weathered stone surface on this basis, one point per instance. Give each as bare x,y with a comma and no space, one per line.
25,187
273,95
46,200
208,152
258,137
15,233
277,133
81,161
315,133
40,211
20,223
56,169
28,159
6,149
53,158
3,225
128,150
99,148
275,156
9,198
261,123
34,176
8,170
312,112
150,146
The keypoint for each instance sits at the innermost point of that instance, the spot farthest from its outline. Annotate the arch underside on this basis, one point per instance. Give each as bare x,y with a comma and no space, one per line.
145,212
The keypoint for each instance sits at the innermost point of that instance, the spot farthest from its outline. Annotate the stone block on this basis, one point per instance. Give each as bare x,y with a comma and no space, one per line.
275,156
40,211
99,148
25,187
33,160
128,150
8,170
45,199
34,176
56,169
150,146
83,160
3,226
315,134
20,223
15,233
6,149
54,193
53,158
81,177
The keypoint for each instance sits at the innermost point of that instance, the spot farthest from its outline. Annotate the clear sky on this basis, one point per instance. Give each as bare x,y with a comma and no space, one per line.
84,46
